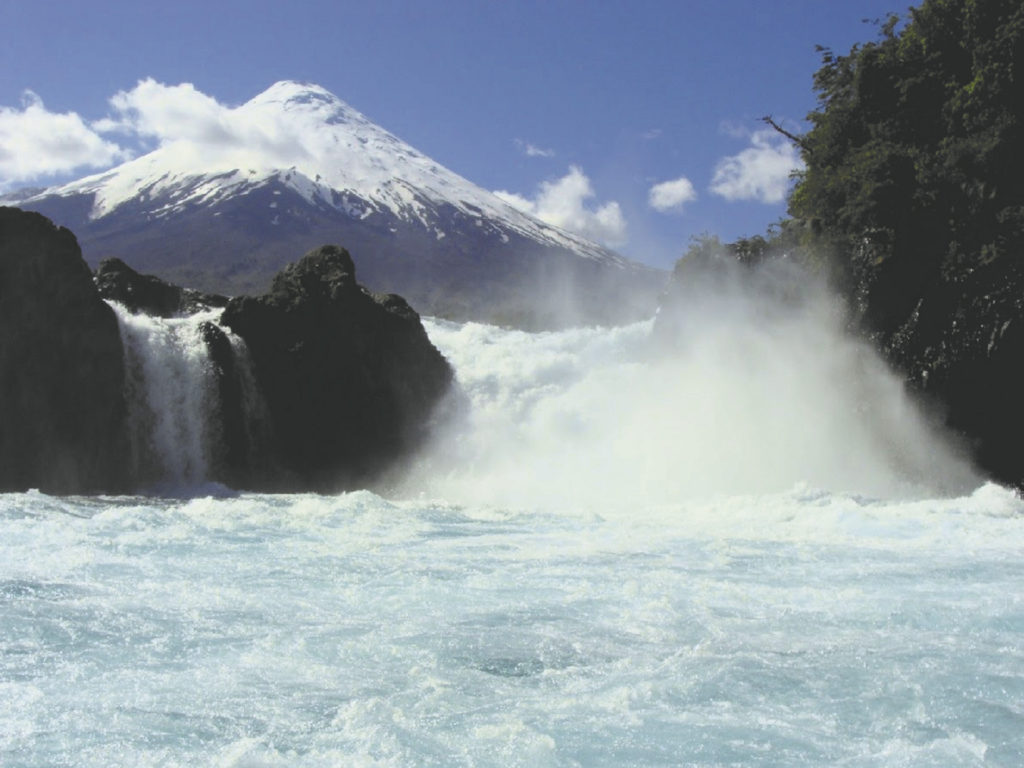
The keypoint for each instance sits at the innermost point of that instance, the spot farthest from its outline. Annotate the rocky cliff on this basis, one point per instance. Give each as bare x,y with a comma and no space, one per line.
332,387
148,294
62,406
959,341
349,378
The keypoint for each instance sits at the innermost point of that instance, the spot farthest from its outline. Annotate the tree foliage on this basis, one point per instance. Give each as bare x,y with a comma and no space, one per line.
912,203
915,156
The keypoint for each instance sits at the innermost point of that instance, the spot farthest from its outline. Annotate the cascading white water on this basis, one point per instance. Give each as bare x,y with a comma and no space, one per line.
172,394
661,603
761,392
764,390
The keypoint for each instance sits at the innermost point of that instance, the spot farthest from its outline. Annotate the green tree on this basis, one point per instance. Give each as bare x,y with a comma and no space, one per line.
915,156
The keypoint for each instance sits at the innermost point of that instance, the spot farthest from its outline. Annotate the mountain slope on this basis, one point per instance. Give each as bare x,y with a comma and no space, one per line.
295,168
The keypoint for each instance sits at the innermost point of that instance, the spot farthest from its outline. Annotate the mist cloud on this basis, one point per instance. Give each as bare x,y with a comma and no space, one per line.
760,172
35,142
672,195
563,203
748,383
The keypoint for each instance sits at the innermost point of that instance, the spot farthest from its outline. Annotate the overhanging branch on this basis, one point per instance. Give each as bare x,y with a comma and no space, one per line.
798,140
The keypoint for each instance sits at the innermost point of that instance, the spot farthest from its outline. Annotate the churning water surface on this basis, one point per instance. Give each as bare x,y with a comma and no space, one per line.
751,551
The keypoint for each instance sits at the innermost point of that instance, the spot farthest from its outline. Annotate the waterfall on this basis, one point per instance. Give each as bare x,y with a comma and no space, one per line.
174,395
760,393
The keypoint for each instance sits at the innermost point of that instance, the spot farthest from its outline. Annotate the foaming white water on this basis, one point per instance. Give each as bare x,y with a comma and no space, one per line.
172,396
754,396
798,629
683,589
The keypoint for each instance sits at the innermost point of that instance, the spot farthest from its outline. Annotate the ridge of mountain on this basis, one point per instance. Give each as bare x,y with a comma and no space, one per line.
295,167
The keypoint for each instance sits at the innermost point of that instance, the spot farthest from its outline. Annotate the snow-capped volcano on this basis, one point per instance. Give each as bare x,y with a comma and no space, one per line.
227,201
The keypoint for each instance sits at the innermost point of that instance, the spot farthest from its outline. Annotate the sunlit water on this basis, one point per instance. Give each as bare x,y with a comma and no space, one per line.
607,560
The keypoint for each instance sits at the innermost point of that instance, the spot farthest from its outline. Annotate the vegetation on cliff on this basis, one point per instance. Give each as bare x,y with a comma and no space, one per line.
914,170
912,201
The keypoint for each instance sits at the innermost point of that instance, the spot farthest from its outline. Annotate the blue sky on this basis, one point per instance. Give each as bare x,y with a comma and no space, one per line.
578,107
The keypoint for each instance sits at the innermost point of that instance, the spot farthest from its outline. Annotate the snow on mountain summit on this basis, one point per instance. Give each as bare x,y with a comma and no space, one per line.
305,137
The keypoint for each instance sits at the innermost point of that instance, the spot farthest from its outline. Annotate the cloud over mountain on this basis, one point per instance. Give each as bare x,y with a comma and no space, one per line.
189,124
220,197
563,203
35,142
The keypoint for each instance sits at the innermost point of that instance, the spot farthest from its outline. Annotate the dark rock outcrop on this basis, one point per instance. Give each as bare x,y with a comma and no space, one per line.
148,294
959,340
240,456
349,379
336,384
62,407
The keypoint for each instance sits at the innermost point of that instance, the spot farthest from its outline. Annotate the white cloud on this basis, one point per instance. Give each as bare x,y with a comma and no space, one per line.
671,195
168,113
35,142
532,150
760,172
199,131
516,201
562,202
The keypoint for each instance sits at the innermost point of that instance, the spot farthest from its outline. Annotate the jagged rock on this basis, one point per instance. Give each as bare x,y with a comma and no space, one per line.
349,378
148,294
62,408
342,382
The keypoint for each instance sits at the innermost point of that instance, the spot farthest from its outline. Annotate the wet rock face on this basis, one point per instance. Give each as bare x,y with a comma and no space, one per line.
62,408
349,378
150,295
962,346
957,336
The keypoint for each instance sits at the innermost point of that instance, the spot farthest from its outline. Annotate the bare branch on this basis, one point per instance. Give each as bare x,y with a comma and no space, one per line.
798,140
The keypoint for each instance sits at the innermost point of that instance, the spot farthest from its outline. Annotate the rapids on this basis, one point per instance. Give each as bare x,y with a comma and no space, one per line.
752,549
